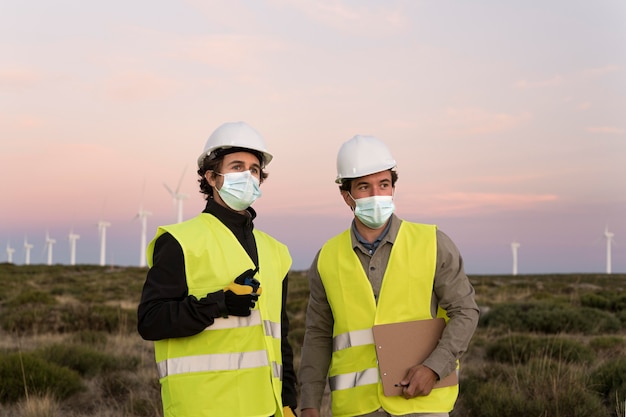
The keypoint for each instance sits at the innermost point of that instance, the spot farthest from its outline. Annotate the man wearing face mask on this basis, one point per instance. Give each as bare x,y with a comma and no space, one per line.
214,296
381,270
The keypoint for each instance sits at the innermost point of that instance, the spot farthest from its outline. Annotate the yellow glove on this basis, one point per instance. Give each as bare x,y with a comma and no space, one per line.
287,411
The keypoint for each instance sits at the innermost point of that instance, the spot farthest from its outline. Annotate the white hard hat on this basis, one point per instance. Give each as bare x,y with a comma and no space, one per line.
235,135
362,155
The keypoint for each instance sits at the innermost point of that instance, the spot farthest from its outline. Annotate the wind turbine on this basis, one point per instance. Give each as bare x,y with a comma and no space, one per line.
10,252
142,215
27,248
514,247
48,247
178,197
73,237
102,232
609,239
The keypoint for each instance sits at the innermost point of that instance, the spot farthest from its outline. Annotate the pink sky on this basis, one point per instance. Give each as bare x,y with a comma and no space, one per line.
507,120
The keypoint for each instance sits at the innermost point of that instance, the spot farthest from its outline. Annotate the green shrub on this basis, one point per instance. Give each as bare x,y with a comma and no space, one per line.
85,360
31,297
550,318
41,378
45,318
145,407
96,317
619,302
89,337
610,379
595,301
31,319
69,318
522,348
537,388
608,344
117,386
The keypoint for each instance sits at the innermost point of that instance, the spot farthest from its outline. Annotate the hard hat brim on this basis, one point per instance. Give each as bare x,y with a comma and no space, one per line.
266,156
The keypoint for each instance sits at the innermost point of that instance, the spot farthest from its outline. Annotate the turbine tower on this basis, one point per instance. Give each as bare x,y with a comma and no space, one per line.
102,232
73,237
10,252
514,247
178,198
48,247
142,215
609,239
27,248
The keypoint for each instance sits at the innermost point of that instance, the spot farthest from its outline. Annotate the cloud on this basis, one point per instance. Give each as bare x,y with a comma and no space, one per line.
558,80
600,70
358,19
606,130
136,86
20,122
550,82
471,121
18,79
238,53
457,203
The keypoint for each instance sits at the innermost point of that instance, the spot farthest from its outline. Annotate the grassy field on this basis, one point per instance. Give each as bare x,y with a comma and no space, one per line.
547,345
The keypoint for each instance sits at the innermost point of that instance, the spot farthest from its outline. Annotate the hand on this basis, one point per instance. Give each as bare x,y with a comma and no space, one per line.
247,278
418,381
240,304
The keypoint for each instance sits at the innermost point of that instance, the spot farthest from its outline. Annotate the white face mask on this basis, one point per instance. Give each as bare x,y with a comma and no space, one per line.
239,190
374,211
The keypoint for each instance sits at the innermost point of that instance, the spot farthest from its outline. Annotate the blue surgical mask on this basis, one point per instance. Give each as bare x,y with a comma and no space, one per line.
239,190
374,211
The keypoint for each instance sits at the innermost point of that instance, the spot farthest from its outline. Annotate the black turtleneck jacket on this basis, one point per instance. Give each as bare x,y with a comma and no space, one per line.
166,310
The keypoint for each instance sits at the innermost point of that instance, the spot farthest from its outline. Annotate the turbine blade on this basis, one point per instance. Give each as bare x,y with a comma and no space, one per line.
181,179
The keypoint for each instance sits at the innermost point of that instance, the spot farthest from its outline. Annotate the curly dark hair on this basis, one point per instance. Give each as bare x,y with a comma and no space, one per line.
346,184
215,165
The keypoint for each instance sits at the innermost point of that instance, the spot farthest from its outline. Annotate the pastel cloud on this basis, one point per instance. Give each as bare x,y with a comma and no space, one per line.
471,121
16,79
136,85
606,130
359,18
549,82
228,52
456,203
559,79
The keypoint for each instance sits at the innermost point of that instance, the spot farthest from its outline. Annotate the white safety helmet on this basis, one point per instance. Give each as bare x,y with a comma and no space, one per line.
362,155
235,135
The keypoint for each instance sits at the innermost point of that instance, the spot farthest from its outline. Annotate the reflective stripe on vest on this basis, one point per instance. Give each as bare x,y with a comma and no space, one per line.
353,379
355,338
216,362
271,328
405,294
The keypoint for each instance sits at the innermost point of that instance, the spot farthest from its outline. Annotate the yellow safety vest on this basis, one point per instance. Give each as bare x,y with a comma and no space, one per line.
233,367
405,295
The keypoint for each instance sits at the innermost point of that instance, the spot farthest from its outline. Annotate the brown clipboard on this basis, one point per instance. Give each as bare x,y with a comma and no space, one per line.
399,346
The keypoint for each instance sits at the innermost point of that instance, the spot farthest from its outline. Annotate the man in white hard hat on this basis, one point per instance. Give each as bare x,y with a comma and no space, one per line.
382,270
214,296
